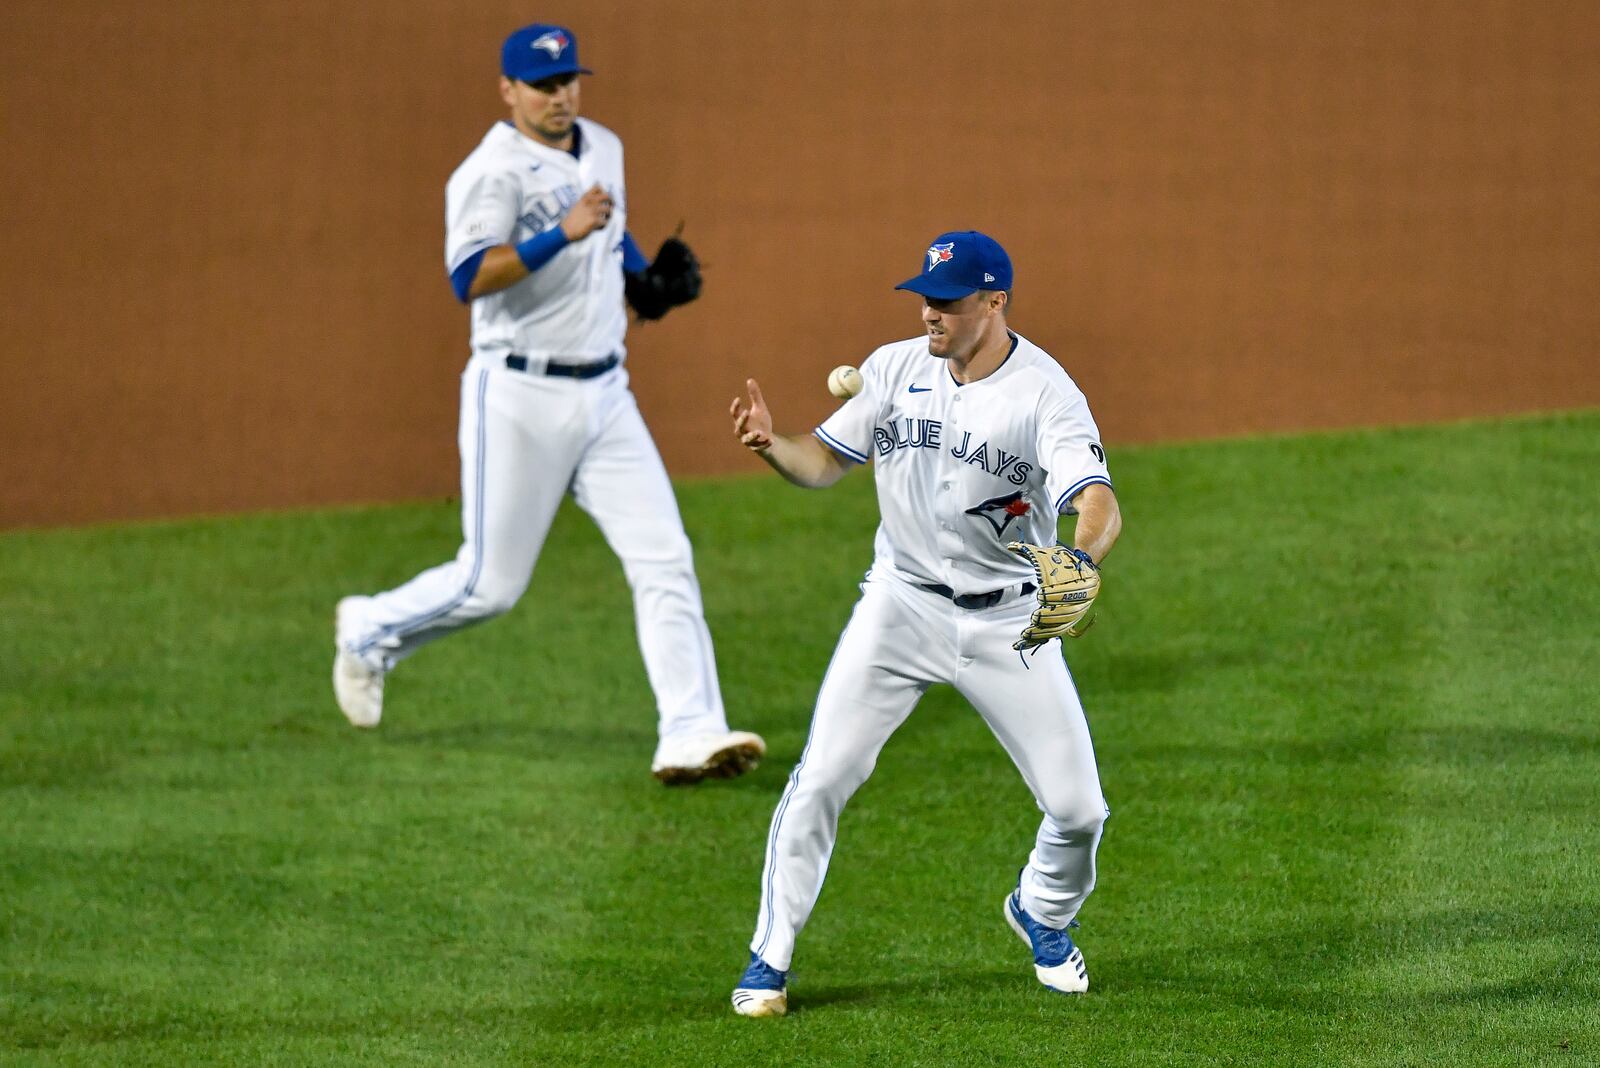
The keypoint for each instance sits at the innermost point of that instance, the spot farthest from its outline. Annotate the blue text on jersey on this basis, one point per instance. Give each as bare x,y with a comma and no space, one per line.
541,214
907,434
1003,464
914,433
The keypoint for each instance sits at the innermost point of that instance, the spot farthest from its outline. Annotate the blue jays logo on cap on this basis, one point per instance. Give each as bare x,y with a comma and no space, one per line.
961,263
553,42
540,51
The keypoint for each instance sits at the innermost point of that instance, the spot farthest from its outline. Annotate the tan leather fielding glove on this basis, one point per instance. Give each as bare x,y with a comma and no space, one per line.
1068,583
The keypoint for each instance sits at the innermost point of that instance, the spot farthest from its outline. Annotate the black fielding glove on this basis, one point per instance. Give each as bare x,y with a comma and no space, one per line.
672,279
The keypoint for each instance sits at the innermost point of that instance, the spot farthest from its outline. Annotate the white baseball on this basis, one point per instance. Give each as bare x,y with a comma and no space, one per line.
844,382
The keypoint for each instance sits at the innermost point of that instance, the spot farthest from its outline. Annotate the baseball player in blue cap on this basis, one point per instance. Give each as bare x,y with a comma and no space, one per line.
537,243
980,441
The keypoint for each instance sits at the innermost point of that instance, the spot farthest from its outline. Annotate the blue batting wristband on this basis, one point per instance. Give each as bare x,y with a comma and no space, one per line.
539,249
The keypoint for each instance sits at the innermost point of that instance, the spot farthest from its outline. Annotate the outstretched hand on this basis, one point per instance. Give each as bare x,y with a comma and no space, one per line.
753,425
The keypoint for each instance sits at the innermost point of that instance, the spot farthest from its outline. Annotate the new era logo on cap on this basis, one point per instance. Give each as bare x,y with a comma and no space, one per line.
938,254
553,42
987,277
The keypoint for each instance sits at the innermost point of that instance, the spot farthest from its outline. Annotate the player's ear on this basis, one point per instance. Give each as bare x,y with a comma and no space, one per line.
506,93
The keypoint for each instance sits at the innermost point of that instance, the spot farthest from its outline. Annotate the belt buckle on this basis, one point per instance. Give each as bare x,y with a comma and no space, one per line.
528,365
974,601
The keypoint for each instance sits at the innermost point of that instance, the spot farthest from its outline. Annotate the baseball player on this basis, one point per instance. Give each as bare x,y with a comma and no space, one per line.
980,441
537,243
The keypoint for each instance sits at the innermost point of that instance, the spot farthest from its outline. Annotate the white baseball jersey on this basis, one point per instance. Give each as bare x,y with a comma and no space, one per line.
512,188
964,469
961,471
528,439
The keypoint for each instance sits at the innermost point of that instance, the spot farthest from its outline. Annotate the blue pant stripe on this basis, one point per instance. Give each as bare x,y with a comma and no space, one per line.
777,818
415,622
772,846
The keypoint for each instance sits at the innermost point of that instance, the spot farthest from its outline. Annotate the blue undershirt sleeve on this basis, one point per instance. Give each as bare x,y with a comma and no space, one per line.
461,278
534,253
633,260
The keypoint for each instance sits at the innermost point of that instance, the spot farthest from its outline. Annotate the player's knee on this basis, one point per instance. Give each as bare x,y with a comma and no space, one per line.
491,598
668,575
497,604
667,555
832,782
1076,814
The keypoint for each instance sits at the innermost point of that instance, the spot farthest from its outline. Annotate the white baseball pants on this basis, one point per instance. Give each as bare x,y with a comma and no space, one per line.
526,440
899,641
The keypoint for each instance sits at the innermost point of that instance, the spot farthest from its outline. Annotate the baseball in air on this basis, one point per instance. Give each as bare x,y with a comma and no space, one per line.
844,382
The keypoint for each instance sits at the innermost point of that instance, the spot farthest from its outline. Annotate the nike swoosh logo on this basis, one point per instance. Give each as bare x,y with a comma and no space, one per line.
922,389
535,166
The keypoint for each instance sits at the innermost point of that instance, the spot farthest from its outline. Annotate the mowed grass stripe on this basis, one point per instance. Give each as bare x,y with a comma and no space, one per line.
1342,691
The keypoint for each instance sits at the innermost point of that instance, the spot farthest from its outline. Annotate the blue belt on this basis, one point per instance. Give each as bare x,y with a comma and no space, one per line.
971,601
562,369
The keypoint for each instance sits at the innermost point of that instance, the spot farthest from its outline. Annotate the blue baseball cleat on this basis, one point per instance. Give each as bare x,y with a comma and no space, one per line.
1057,962
762,990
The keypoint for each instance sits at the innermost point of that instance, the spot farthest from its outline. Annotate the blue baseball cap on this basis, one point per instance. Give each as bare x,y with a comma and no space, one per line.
540,51
959,264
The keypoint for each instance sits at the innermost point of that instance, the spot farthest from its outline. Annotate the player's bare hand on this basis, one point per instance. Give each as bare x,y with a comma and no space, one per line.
752,425
591,212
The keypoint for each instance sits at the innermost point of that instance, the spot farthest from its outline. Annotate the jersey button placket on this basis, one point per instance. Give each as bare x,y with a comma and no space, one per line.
968,631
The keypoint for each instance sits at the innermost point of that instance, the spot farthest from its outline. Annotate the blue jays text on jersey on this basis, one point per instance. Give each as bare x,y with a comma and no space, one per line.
914,433
548,211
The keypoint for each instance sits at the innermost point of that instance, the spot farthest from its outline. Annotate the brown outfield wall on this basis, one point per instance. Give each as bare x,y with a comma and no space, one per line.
223,239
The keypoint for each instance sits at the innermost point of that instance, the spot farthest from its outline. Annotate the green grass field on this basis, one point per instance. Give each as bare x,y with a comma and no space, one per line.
1344,691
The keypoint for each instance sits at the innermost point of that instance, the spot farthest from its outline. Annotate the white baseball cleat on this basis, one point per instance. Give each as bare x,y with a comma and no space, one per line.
1056,961
681,760
357,683
762,991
